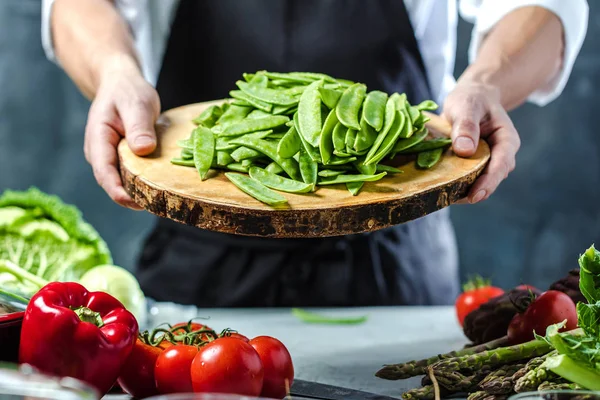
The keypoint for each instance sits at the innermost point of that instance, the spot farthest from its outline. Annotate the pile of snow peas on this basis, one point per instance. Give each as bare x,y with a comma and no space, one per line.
292,132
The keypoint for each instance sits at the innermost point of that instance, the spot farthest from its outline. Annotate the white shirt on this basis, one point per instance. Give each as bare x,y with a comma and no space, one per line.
434,21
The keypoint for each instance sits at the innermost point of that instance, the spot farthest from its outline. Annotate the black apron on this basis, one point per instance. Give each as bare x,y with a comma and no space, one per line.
212,43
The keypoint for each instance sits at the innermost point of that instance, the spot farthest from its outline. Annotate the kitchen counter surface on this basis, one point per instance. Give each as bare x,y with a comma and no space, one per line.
340,355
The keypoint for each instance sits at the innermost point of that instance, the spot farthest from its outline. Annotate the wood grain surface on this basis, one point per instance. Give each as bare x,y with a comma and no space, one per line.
177,193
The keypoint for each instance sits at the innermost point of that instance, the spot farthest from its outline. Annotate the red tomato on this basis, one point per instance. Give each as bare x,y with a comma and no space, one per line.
239,336
227,365
172,370
475,294
277,364
137,375
549,308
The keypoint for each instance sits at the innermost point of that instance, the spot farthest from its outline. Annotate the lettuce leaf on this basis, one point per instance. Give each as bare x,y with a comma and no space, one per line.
589,281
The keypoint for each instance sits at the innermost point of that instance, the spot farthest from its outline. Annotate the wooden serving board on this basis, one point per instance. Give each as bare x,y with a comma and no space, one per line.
177,193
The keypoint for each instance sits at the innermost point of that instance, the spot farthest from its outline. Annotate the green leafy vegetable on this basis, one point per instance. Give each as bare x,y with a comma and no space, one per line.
589,281
313,318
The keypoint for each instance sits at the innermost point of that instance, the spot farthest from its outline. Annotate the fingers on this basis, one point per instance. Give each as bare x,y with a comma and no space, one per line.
504,142
101,152
138,118
465,115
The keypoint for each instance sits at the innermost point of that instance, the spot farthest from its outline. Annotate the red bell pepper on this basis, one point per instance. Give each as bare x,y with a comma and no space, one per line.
68,331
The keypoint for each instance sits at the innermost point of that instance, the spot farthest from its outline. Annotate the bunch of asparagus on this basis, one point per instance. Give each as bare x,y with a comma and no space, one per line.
486,372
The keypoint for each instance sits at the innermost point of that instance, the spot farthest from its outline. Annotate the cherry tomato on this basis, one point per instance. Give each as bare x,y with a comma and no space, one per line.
549,308
227,365
172,370
137,375
476,293
277,364
239,336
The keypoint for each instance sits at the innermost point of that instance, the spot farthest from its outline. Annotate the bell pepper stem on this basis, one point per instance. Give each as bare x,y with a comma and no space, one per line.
87,315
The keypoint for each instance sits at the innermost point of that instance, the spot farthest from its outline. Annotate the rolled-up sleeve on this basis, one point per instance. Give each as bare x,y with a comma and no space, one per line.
572,13
47,30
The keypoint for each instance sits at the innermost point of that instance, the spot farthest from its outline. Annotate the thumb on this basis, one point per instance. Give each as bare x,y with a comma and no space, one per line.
465,135
138,121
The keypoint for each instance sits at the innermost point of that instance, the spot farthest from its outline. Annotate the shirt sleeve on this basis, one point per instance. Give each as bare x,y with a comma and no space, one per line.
573,15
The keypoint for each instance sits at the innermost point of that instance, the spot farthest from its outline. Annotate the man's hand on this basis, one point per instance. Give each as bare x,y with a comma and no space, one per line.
125,106
475,111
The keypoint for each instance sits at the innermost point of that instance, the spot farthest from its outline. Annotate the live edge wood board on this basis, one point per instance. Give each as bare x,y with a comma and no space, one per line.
177,193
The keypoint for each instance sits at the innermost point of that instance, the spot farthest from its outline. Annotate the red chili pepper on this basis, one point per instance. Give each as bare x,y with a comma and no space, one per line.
68,331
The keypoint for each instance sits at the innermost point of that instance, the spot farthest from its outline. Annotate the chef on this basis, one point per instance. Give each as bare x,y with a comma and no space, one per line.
136,58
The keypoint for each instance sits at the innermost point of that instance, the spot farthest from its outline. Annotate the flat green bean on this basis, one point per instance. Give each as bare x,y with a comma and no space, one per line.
314,76
390,117
349,105
309,114
354,187
233,114
404,144
312,151
351,178
182,162
350,139
374,109
186,143
269,149
326,146
268,95
280,183
339,137
308,167
284,110
204,150
256,189
254,125
388,143
414,114
237,167
427,145
365,137
224,158
241,96
428,159
325,173
289,144
365,169
209,117
389,169
187,153
330,97
274,168
335,160
342,153
288,77
248,77
244,153
427,105
260,79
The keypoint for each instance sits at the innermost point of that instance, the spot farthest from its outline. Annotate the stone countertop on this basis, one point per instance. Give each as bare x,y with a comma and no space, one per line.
340,355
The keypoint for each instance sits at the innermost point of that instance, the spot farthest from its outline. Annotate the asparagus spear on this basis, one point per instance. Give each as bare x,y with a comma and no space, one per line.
422,393
534,378
500,381
483,395
531,365
494,358
419,367
563,385
456,382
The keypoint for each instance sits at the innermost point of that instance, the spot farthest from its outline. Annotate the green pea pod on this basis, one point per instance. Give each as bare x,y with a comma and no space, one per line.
427,145
314,76
374,109
187,154
427,105
284,110
272,96
256,189
224,158
224,144
341,153
237,167
390,140
233,114
428,159
186,143
312,151
330,97
308,168
280,183
350,139
351,178
339,137
289,144
241,96
256,114
254,125
204,150
248,77
245,153
274,168
326,148
408,129
309,114
241,103
387,168
336,160
414,114
209,117
345,82
420,122
326,173
354,187
404,144
260,80
269,149
365,137
401,102
182,162
349,105
390,116
365,169
289,77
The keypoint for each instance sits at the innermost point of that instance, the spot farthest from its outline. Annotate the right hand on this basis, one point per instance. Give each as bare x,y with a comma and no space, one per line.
126,105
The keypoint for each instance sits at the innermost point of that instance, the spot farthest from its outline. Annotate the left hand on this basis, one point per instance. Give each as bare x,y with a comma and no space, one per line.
475,111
